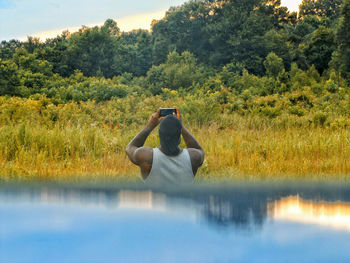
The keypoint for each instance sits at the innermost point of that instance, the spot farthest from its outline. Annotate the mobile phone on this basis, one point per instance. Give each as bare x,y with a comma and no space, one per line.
167,111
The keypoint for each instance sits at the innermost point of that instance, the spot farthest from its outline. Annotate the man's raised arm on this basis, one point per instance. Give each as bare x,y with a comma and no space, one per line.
191,142
136,143
140,138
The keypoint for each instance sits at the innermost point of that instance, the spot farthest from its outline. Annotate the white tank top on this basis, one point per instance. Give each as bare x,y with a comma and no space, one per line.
170,170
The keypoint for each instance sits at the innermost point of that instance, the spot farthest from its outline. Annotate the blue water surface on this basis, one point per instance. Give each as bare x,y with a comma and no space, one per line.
238,224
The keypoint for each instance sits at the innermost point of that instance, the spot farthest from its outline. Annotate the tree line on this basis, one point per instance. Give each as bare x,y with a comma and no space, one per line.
205,44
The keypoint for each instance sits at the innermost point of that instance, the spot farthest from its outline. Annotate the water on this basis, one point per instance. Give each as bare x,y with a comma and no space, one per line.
242,223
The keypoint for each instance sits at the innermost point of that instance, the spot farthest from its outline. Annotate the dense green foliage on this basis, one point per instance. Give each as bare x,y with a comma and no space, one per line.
248,48
342,57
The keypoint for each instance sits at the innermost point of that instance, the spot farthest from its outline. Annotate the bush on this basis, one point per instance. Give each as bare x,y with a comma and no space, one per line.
320,119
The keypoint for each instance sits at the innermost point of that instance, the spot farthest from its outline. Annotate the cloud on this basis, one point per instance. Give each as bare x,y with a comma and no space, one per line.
29,17
139,21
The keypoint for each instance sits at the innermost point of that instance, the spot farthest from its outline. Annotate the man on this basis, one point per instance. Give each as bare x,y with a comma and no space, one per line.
168,164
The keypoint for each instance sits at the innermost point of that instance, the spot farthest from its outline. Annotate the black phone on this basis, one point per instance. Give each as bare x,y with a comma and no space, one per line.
167,111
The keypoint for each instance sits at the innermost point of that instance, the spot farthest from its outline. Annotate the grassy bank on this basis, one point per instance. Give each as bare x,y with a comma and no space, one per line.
87,141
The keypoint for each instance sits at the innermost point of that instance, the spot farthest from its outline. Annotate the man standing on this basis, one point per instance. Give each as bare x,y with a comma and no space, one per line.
168,164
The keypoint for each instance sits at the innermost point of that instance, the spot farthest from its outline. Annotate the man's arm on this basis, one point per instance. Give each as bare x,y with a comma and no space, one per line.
135,150
190,141
136,143
194,148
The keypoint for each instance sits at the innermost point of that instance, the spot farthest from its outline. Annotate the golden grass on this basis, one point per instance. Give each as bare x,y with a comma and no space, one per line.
237,152
292,153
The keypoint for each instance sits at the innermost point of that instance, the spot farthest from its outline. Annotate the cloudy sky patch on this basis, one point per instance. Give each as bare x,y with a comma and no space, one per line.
19,18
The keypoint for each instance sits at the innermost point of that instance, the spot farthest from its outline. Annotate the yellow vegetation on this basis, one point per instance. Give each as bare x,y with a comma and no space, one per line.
28,152
39,140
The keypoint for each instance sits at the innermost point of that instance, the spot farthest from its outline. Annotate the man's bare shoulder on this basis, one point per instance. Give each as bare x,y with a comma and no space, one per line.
196,155
144,154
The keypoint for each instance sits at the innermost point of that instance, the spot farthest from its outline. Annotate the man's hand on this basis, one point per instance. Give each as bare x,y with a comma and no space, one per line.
178,114
154,120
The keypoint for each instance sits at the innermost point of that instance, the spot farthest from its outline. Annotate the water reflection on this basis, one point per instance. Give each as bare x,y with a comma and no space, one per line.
240,207
241,212
334,215
202,224
141,200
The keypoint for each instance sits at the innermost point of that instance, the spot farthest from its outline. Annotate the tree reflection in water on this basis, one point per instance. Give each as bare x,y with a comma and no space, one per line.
335,215
240,206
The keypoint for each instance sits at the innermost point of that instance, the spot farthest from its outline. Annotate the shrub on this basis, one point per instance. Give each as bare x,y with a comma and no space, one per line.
319,119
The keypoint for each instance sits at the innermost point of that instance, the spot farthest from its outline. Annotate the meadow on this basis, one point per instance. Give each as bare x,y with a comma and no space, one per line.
40,140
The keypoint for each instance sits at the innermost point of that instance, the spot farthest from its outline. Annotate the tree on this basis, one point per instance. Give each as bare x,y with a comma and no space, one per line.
273,65
179,71
343,39
144,53
278,42
7,49
56,52
32,44
320,8
318,50
34,73
111,27
9,79
238,30
304,28
233,35
93,49
183,28
30,62
134,54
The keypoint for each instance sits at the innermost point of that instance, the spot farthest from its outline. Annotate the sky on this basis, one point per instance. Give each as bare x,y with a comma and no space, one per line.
48,18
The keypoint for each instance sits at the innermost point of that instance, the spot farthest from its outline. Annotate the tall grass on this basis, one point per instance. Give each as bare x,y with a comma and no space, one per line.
72,141
28,152
268,153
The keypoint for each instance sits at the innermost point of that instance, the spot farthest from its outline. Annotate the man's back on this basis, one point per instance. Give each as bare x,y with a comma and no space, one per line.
170,169
169,161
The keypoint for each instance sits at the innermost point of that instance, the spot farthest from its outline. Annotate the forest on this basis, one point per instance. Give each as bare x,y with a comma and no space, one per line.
266,92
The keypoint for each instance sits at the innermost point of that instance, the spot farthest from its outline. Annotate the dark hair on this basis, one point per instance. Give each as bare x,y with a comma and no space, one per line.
169,135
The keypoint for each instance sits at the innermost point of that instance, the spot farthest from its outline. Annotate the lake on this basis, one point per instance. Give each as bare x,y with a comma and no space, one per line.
306,222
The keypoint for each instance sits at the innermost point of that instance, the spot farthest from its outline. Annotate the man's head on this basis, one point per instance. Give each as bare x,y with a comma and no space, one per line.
169,135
